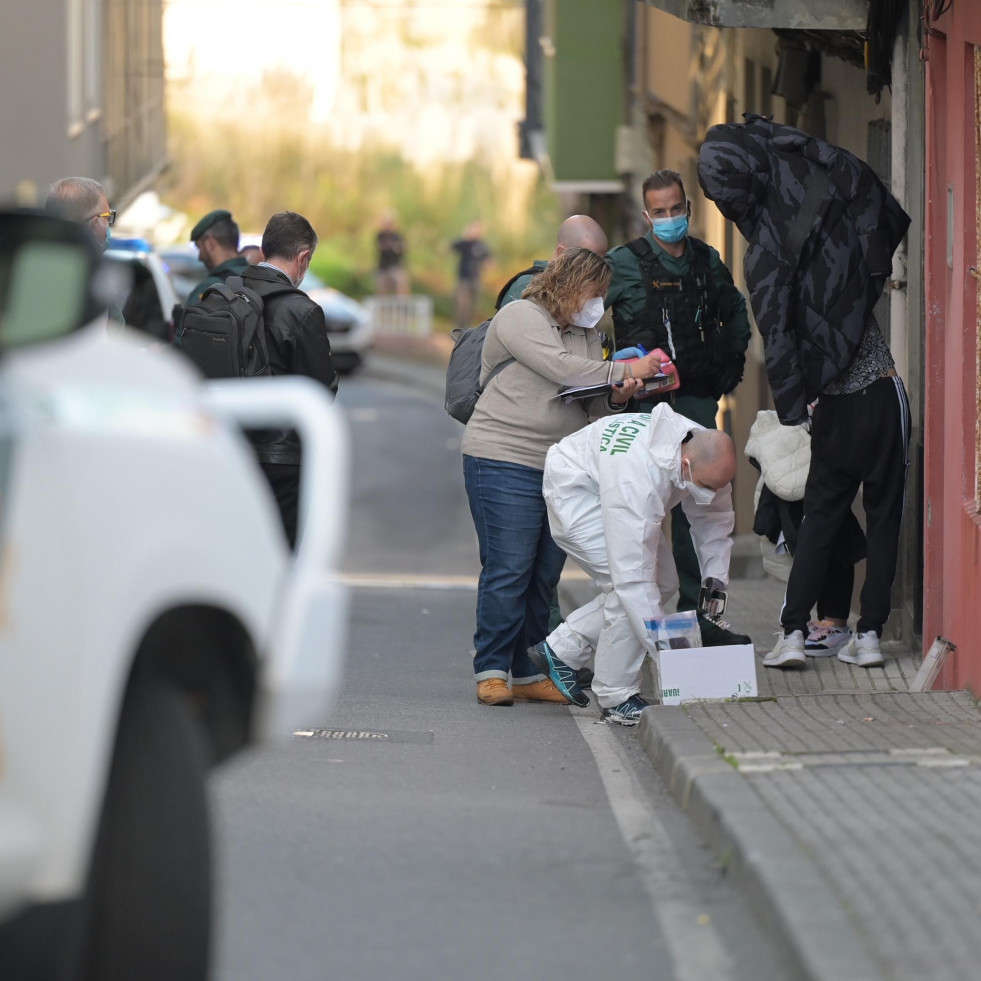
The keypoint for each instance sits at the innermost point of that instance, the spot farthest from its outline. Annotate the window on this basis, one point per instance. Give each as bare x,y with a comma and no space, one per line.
83,28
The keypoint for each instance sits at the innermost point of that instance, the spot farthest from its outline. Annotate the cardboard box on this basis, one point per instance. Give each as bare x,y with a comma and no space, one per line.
706,673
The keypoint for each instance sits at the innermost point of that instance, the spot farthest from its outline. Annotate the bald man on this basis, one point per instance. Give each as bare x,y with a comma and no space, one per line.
577,232
608,489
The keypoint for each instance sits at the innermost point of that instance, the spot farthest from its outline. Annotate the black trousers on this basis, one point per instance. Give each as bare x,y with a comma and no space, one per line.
860,439
284,478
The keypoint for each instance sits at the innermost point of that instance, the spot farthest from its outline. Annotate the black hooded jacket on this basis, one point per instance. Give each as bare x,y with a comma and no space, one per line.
821,229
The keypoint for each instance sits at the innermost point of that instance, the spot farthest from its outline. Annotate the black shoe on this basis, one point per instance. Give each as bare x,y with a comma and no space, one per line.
585,678
563,677
626,713
716,632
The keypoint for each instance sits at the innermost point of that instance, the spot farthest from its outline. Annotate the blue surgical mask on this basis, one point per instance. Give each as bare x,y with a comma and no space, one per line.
670,229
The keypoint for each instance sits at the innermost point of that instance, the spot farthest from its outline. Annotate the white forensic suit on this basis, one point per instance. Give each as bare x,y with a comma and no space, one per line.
608,488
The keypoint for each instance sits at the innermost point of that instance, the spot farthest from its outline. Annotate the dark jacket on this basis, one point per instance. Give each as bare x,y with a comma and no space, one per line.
296,338
639,316
230,267
821,229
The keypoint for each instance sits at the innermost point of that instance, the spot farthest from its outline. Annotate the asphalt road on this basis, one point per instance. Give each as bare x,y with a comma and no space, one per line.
419,835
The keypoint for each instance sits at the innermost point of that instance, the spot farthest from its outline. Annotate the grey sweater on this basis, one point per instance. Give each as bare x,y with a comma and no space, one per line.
518,418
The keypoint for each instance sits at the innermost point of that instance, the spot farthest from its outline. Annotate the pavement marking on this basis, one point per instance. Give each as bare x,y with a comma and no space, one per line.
693,942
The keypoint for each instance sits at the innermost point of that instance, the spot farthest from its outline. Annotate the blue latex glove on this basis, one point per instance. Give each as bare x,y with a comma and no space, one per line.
628,352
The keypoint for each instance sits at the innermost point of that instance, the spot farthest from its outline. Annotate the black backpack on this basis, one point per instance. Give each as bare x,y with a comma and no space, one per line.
224,333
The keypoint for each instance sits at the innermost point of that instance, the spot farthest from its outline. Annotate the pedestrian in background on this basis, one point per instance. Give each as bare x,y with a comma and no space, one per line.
296,339
551,338
672,291
473,254
216,238
391,276
252,254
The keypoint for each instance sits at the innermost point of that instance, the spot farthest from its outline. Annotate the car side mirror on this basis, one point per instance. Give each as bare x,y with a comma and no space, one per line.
49,278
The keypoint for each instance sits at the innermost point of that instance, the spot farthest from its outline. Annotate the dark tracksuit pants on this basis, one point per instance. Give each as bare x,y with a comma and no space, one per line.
858,439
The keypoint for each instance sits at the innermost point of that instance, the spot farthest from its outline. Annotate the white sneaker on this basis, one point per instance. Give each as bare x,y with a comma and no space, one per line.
789,652
863,650
825,641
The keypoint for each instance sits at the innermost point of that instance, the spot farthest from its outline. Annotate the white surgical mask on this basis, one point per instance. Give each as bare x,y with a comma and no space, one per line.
700,495
590,313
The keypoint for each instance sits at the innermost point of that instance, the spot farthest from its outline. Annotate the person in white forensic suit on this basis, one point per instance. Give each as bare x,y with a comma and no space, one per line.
608,488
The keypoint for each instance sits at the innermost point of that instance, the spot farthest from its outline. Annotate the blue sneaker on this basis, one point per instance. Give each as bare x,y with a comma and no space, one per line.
562,676
626,713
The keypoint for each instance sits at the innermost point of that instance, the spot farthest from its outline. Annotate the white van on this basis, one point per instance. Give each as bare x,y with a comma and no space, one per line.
153,619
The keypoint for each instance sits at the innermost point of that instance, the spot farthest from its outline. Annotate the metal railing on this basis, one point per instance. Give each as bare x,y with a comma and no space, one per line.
401,314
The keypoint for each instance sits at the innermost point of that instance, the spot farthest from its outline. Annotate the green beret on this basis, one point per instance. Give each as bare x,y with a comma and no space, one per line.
211,218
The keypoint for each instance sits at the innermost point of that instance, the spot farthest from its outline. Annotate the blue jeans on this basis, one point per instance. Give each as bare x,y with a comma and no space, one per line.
520,566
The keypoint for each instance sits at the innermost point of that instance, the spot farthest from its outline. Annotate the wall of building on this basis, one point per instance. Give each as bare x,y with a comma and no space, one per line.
81,93
37,145
952,467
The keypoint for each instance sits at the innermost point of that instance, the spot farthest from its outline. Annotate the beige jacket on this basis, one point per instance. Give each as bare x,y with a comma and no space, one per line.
518,417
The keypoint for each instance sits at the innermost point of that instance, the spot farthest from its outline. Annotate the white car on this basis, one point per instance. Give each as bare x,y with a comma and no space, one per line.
349,327
152,617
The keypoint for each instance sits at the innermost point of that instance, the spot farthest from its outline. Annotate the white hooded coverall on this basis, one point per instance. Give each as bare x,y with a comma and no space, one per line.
608,488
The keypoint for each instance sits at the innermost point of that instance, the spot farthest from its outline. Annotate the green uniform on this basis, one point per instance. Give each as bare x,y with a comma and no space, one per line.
628,296
230,267
521,283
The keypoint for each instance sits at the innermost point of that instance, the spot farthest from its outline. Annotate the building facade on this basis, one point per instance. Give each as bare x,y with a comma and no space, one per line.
81,93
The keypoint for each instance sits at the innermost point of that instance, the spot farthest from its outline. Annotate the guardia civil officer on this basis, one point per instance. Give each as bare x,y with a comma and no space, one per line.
672,291
216,237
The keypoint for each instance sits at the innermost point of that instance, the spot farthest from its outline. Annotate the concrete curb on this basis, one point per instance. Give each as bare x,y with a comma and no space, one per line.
783,885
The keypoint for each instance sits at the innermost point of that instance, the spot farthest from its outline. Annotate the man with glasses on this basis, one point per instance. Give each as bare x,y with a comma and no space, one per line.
83,200
672,291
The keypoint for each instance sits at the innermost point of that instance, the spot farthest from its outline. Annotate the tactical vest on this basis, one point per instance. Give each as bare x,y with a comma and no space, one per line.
680,316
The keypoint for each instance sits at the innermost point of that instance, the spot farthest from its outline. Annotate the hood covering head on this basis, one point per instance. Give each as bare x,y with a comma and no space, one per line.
734,171
820,229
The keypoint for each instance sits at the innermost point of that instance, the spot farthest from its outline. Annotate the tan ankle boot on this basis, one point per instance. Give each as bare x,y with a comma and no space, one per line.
539,691
494,691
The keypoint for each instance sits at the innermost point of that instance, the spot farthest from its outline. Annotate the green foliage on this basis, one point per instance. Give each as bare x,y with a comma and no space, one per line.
258,170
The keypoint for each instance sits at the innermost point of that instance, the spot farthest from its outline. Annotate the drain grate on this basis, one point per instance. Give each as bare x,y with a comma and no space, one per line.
365,735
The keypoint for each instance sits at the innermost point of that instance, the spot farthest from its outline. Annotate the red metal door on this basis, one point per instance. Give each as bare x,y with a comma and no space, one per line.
952,396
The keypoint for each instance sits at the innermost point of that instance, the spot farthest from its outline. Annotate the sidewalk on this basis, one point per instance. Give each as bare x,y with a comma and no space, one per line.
845,807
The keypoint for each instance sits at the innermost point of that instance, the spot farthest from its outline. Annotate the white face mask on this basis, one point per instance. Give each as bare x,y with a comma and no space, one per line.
700,495
590,313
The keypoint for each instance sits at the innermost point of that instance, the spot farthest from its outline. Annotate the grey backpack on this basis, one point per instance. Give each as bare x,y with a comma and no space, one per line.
463,372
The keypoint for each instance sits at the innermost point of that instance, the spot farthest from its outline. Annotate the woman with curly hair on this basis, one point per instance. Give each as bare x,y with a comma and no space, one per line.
549,333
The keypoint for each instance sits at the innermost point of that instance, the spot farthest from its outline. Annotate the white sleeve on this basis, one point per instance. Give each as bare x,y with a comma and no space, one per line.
711,532
632,504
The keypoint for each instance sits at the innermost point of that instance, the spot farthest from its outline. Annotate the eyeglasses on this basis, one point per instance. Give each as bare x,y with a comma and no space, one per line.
110,217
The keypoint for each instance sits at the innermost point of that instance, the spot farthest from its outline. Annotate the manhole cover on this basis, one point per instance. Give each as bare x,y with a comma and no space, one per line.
365,735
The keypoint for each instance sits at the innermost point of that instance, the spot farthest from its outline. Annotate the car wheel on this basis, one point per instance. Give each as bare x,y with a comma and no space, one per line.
147,909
